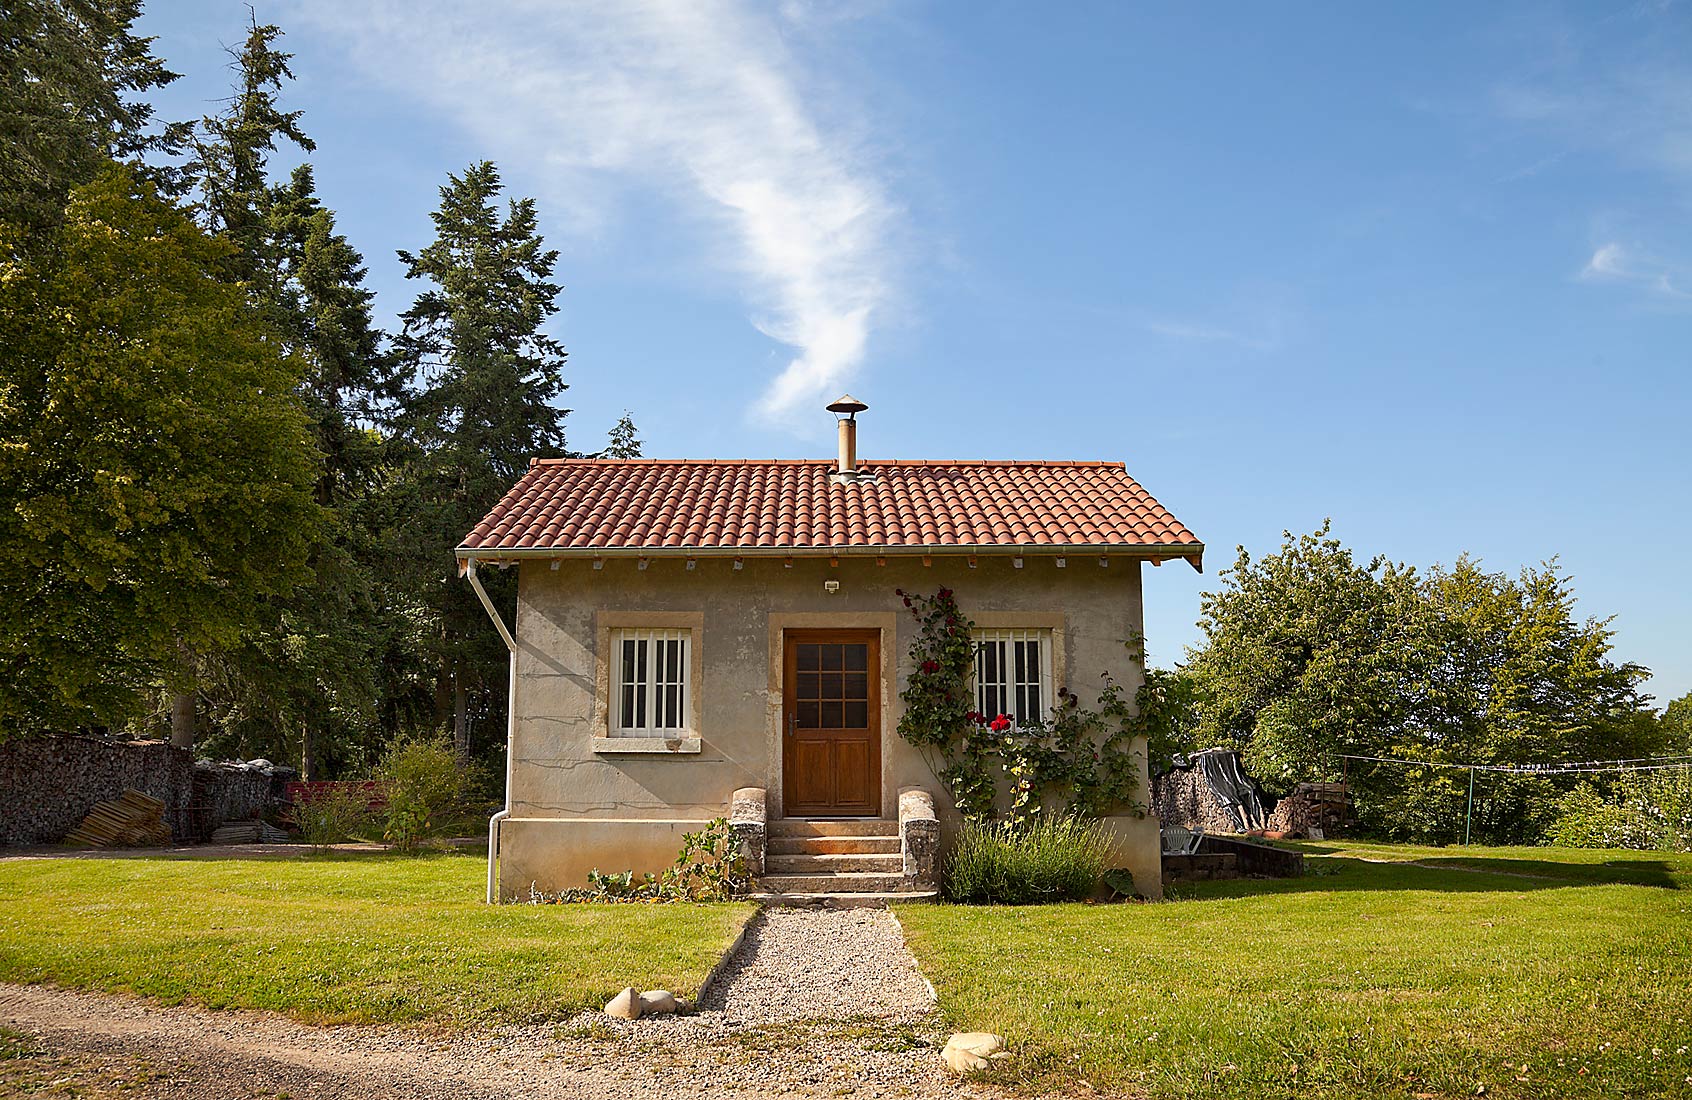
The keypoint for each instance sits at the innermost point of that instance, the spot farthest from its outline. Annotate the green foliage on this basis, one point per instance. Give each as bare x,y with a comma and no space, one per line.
332,815
423,781
1045,859
1077,757
230,160
155,483
1645,810
709,867
1309,655
68,72
483,381
622,441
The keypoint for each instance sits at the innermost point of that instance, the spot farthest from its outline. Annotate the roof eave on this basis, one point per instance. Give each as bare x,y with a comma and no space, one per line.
1157,553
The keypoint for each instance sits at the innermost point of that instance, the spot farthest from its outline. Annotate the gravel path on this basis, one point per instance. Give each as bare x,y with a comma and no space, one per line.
798,964
815,1003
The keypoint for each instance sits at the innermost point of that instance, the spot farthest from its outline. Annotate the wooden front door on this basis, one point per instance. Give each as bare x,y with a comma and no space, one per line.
831,723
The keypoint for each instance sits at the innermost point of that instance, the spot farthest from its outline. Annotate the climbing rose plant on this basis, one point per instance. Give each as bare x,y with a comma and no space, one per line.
1078,759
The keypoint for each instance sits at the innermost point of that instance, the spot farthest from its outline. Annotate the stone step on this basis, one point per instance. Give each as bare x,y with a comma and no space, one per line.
844,826
864,900
832,845
843,882
833,863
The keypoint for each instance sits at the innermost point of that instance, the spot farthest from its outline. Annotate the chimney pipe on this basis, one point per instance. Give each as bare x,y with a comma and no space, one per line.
849,446
849,406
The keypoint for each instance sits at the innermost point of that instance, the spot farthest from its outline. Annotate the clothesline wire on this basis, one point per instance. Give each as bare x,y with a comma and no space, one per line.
1580,767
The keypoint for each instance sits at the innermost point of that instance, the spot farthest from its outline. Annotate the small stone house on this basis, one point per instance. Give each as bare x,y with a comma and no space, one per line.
701,639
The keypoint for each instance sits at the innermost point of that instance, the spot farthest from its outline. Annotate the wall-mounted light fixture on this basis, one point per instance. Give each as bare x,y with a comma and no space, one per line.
690,564
831,587
1017,561
598,564
1062,562
641,565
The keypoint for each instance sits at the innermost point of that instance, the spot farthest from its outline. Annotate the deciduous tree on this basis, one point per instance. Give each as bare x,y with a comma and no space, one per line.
158,465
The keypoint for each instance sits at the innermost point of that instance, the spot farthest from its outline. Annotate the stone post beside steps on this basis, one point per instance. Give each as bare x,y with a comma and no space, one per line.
919,835
747,815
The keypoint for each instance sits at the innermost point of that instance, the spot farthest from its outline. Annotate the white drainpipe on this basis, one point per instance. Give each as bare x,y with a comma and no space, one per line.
510,728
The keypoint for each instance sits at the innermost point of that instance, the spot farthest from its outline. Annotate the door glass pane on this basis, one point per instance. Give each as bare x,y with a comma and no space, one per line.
857,716
857,658
809,657
808,715
855,685
809,685
832,656
832,685
833,717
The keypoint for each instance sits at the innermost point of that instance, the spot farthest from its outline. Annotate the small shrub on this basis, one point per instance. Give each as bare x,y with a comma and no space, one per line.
709,866
333,814
1046,860
423,781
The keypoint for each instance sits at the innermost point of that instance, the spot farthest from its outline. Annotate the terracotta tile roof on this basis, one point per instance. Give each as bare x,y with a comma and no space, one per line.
578,506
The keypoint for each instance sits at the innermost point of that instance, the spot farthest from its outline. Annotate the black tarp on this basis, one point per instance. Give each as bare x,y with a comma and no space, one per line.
1242,799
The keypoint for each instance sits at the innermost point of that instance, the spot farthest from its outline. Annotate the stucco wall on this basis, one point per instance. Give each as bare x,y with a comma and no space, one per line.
737,616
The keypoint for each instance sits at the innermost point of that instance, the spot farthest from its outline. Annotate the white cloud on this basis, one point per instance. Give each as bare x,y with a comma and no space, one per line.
1615,263
702,99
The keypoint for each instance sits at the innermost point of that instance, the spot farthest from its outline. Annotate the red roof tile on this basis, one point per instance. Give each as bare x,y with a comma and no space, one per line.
619,505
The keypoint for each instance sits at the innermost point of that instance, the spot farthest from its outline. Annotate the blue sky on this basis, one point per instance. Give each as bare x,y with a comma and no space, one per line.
1426,270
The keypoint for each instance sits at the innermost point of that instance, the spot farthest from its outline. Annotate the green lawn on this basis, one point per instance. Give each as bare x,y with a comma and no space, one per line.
1362,979
332,939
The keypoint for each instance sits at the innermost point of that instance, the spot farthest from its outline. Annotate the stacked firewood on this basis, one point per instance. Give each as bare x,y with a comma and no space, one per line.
132,819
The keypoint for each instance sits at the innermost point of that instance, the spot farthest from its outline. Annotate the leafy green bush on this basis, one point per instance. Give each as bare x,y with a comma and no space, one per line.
1650,811
1046,859
333,814
423,782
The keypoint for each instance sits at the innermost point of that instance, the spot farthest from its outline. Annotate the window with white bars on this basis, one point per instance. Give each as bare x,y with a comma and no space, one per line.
1013,673
650,670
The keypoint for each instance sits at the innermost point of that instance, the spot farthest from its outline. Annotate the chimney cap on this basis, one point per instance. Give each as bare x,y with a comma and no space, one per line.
847,404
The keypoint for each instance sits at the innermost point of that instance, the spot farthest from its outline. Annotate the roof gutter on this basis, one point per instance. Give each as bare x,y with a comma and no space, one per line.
498,819
1192,551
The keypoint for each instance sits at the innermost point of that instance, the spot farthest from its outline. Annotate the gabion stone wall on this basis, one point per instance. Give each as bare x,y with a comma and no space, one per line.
48,784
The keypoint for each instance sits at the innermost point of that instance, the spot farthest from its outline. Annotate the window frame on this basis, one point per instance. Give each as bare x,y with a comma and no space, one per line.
610,626
1008,684
658,673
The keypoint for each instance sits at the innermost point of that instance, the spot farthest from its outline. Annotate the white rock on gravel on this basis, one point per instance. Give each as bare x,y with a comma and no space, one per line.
968,1051
657,1002
625,1005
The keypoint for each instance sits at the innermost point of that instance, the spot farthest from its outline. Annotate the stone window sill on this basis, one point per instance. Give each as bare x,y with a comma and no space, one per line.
615,746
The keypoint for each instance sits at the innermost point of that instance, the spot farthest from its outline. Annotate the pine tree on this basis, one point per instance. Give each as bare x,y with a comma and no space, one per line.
309,679
229,163
67,68
622,441
485,379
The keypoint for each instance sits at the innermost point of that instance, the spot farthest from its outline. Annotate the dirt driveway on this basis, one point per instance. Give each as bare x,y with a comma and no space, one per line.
780,1026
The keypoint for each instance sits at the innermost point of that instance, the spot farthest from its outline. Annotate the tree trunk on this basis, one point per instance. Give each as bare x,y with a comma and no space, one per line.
308,753
460,721
182,720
